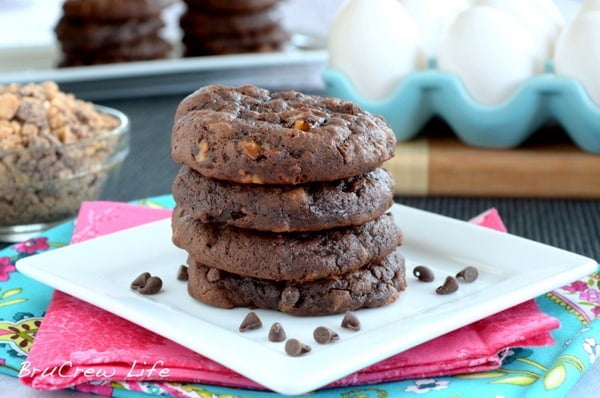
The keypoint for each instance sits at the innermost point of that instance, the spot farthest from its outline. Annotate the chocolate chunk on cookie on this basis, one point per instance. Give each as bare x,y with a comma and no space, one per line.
249,135
291,256
285,208
372,286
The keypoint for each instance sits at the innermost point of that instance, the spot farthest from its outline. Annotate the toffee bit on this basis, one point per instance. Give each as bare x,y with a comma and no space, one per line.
301,125
250,322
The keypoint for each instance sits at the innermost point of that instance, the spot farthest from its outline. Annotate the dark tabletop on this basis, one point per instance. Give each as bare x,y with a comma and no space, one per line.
573,225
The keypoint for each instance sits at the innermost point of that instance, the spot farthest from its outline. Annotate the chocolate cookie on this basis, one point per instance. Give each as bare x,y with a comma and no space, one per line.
250,135
149,48
285,208
230,6
114,10
92,32
291,256
215,31
372,286
208,25
255,42
77,34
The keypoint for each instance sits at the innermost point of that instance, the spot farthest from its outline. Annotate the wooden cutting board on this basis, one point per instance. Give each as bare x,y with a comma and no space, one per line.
444,166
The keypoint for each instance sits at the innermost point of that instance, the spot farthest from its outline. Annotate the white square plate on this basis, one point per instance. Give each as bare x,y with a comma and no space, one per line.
511,270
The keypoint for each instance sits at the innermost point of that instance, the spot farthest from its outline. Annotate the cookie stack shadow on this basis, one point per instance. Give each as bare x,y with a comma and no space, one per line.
93,32
281,202
218,27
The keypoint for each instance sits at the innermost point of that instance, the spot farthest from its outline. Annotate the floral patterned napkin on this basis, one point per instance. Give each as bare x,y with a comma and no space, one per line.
553,368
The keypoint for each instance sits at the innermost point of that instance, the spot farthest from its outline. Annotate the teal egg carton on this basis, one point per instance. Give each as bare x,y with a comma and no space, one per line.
428,93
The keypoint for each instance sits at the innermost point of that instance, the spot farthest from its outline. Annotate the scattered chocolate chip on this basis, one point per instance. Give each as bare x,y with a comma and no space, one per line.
324,335
250,322
276,333
213,275
140,280
450,286
147,284
350,321
423,273
152,286
468,274
290,296
294,348
182,273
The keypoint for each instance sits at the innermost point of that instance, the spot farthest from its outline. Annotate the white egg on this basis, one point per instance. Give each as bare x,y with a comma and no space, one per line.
376,44
550,9
539,16
434,17
490,52
578,52
587,6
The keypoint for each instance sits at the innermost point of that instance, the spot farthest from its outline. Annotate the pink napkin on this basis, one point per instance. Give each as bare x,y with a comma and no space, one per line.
80,343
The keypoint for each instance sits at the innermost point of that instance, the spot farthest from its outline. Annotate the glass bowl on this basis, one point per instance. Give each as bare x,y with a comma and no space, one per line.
42,187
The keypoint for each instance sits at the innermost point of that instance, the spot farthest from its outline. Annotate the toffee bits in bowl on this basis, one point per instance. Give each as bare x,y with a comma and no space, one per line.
56,151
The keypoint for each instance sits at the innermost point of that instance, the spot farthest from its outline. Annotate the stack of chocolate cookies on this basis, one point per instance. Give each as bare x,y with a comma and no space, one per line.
218,27
92,32
281,202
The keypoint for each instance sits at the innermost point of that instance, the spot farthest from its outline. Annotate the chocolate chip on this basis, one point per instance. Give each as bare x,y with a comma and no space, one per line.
290,296
152,286
140,281
182,273
423,273
450,286
324,335
276,333
250,322
350,321
146,283
294,348
468,274
213,275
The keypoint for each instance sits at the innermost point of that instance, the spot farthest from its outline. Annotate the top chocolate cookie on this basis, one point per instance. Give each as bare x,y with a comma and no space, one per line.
113,9
249,135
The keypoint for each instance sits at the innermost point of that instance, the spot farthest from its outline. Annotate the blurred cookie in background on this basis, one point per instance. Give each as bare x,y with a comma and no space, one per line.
92,32
232,26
